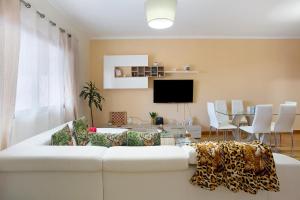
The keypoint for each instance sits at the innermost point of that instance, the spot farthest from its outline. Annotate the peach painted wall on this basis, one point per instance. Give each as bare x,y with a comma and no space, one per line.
257,71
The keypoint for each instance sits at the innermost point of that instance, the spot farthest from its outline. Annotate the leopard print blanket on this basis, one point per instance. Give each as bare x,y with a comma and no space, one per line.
238,166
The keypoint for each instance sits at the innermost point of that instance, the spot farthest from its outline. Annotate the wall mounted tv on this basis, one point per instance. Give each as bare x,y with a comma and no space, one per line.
173,91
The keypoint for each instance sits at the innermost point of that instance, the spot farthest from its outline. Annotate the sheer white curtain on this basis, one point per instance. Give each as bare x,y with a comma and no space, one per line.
70,46
43,78
9,53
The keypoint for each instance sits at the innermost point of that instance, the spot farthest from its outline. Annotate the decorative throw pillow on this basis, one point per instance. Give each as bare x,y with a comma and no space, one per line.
62,137
80,131
109,139
135,138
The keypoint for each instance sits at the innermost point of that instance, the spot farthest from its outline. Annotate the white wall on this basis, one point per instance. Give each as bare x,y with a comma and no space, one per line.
83,39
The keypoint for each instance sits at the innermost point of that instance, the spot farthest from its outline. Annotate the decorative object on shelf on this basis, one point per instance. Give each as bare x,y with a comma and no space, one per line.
187,67
91,93
118,72
160,14
159,121
153,116
118,118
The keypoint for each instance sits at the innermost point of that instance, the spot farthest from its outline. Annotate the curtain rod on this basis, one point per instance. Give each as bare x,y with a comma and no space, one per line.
43,16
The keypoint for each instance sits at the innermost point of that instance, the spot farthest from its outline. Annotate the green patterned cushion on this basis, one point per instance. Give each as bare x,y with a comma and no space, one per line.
62,137
80,131
108,139
135,138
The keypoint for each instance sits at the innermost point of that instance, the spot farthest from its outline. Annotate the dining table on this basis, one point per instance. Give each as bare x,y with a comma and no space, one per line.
244,118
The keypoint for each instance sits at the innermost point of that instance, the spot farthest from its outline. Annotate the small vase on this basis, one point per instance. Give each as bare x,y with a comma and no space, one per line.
153,121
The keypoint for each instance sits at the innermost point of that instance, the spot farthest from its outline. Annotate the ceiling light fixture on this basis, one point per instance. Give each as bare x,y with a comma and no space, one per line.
160,13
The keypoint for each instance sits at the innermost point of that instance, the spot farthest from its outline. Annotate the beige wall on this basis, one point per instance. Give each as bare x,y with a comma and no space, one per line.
257,71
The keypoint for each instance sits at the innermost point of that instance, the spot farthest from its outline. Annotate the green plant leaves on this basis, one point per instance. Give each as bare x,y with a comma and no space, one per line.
91,93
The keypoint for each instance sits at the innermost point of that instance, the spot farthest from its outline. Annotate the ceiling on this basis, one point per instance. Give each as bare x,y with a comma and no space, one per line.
194,18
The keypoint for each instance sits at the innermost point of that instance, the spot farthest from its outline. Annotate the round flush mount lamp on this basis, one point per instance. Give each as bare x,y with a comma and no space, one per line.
160,13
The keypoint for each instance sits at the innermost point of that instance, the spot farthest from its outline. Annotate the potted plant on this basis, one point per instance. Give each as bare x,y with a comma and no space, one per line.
91,93
153,116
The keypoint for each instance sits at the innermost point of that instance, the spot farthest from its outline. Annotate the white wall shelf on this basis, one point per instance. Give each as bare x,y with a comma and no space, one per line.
112,82
181,72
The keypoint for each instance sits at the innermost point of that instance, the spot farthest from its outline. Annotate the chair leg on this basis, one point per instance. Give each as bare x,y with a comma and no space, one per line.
270,139
275,138
292,137
280,139
209,133
218,134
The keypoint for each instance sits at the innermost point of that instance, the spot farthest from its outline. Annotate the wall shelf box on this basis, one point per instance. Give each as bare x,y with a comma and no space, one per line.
130,62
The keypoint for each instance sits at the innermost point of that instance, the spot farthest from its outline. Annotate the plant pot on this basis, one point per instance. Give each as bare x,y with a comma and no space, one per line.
153,121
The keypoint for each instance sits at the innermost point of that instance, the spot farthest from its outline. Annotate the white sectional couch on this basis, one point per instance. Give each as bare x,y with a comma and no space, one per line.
32,170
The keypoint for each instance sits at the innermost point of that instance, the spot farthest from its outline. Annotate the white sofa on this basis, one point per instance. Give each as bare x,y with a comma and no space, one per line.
32,170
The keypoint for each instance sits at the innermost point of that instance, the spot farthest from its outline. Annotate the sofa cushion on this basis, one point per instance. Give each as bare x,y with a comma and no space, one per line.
62,137
135,138
52,158
109,139
141,159
81,134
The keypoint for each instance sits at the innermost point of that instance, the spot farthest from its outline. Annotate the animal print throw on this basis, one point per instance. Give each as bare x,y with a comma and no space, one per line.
238,166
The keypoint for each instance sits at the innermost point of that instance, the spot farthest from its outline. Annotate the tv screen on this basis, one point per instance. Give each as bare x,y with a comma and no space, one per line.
173,91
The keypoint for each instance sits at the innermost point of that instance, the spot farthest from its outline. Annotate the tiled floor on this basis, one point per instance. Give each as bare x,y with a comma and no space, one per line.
284,147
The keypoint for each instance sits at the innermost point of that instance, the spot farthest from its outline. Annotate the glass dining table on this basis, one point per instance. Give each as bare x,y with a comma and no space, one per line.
248,115
244,119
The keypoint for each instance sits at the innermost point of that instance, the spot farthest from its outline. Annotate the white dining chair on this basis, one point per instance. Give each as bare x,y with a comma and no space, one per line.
221,106
262,121
285,122
214,123
237,107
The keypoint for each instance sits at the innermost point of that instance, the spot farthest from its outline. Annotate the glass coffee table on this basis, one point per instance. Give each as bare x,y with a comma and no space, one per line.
170,135
176,136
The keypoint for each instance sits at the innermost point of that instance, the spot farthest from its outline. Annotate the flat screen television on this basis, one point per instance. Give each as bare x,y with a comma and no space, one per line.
173,91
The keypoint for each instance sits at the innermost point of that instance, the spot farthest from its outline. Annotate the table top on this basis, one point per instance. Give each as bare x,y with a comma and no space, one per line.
245,113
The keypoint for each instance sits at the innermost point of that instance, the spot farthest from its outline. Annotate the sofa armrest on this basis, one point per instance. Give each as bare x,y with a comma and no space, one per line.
52,158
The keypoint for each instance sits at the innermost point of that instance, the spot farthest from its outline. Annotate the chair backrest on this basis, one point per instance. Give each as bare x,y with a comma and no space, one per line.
237,106
286,118
262,119
221,106
213,120
291,102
